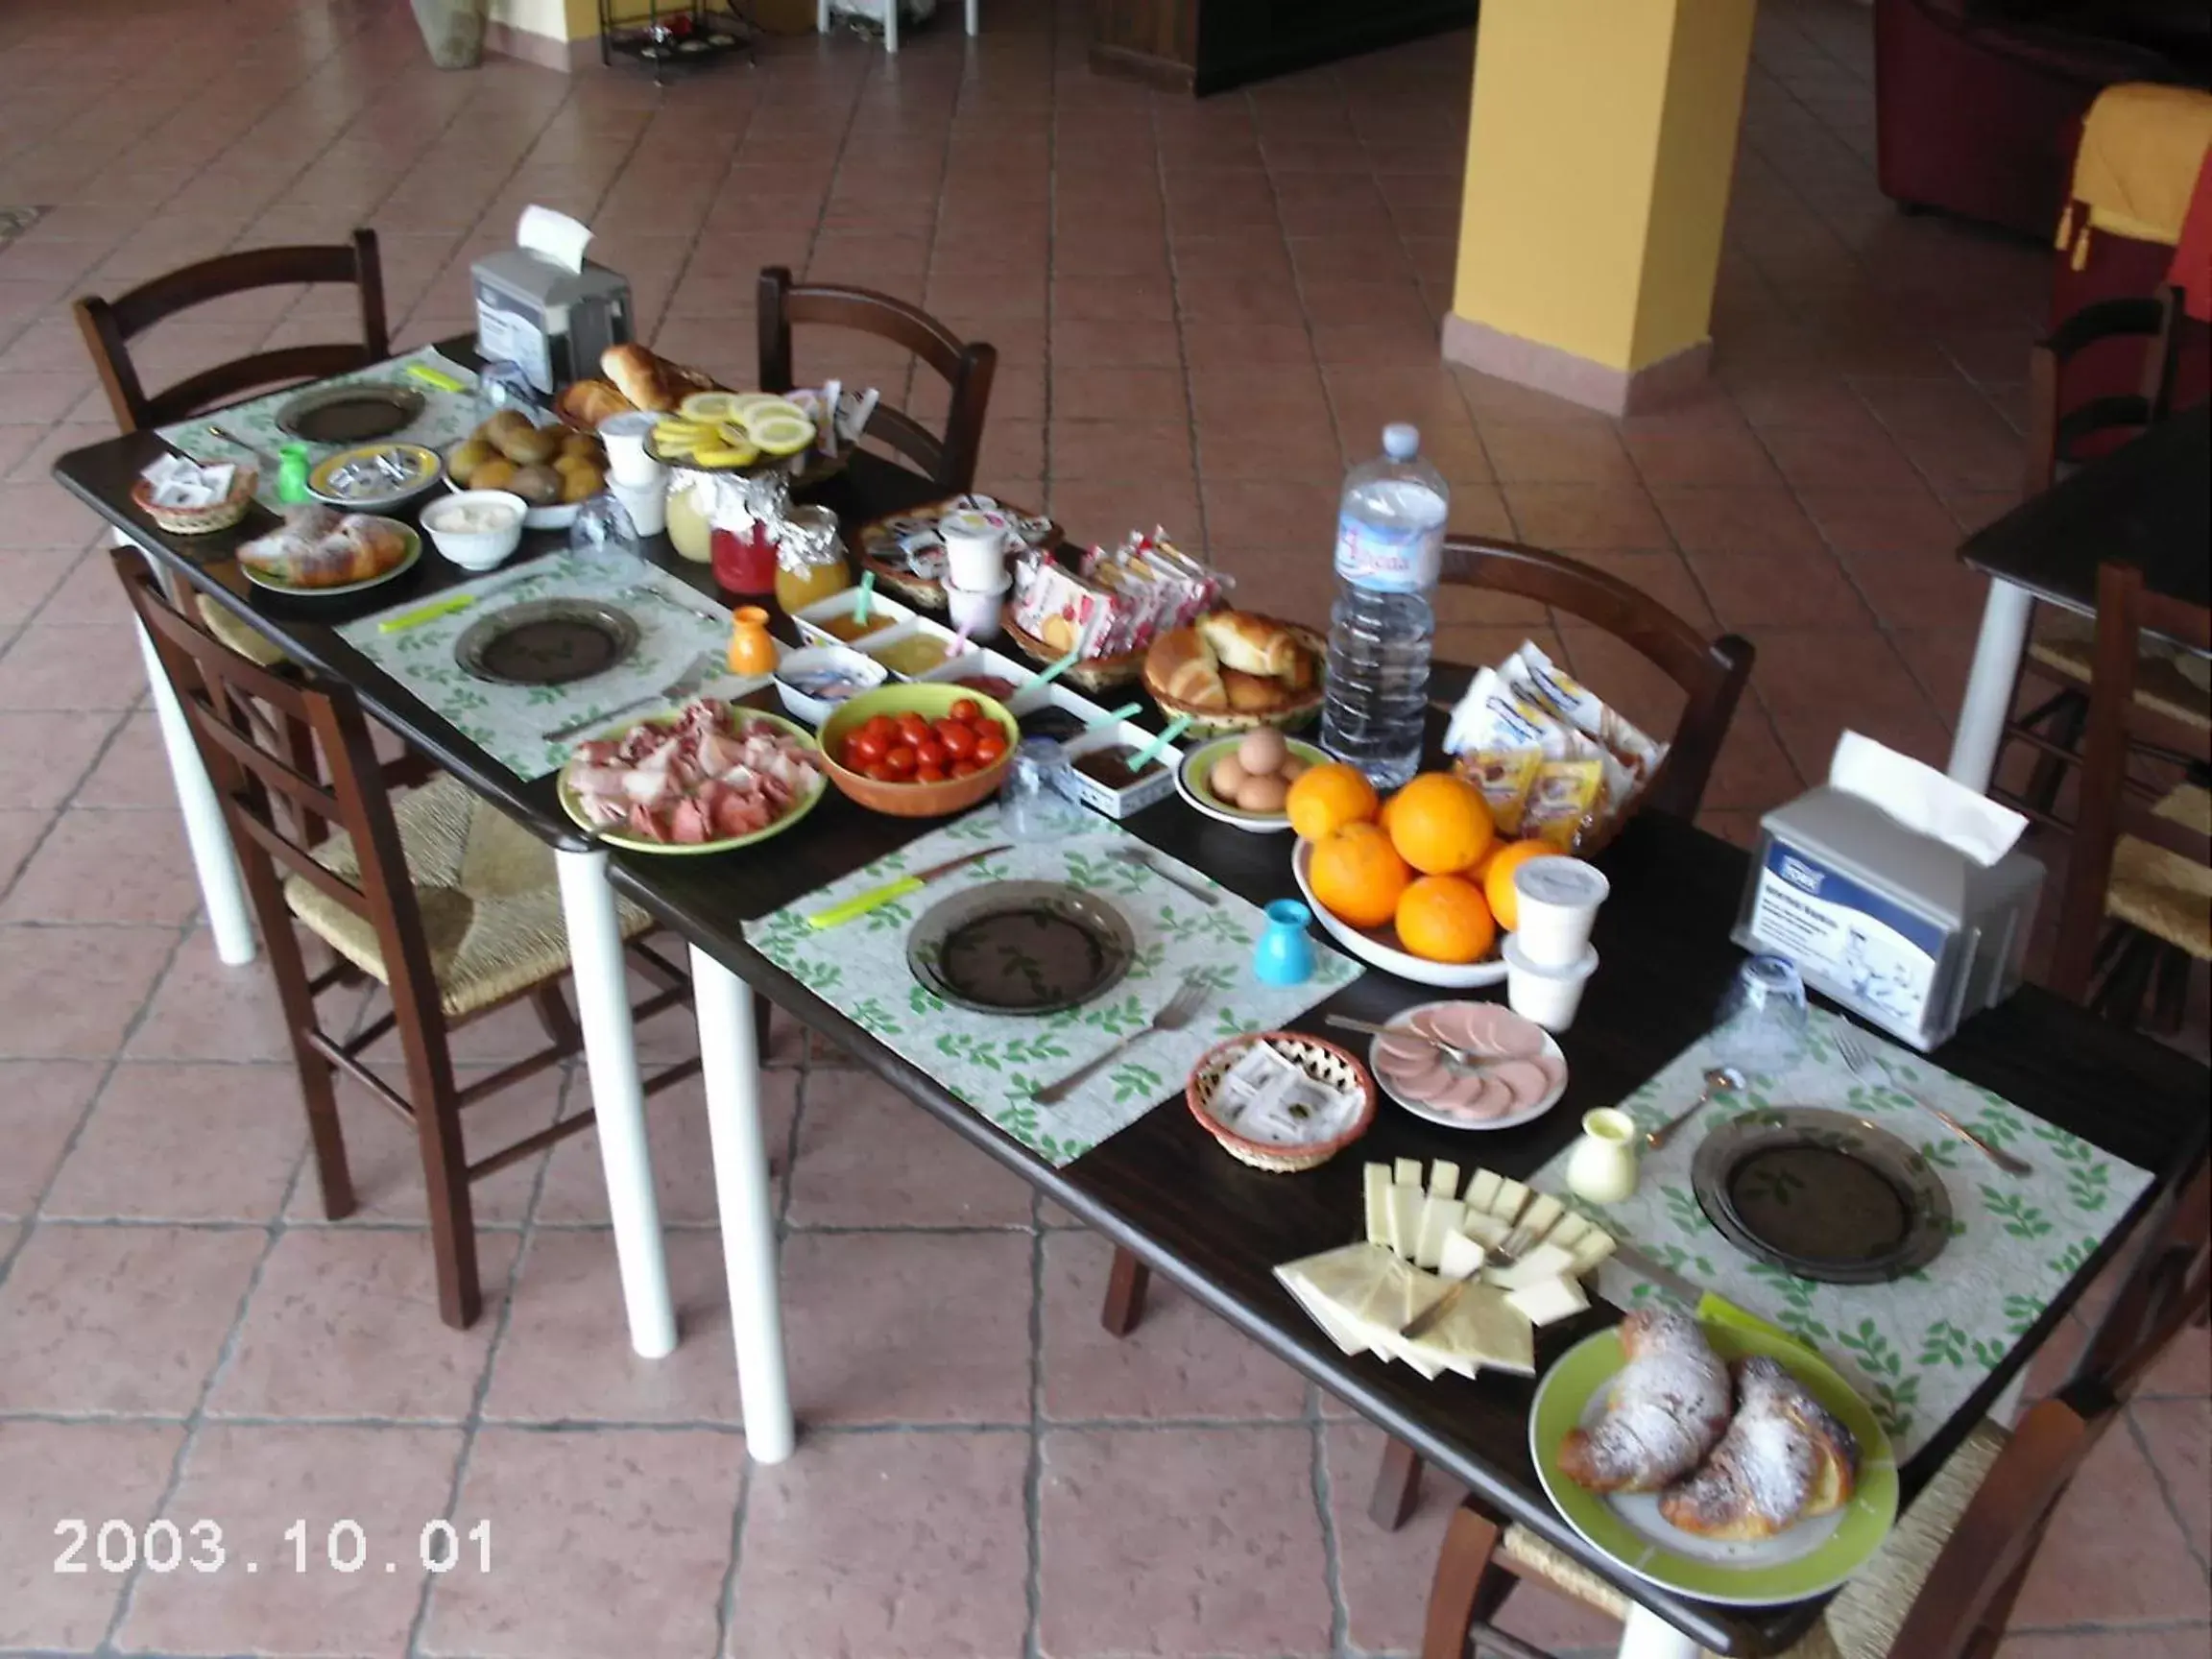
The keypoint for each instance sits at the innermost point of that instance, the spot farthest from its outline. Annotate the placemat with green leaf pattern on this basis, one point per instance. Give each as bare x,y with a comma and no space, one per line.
993,1062
1916,1347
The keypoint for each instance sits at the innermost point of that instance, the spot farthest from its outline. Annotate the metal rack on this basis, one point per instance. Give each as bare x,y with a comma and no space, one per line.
679,36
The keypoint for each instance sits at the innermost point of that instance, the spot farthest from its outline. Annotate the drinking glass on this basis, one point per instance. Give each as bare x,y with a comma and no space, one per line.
1762,1024
1036,800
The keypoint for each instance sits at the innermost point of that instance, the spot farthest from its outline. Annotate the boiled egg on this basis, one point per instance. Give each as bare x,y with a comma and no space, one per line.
1262,795
1263,752
1229,776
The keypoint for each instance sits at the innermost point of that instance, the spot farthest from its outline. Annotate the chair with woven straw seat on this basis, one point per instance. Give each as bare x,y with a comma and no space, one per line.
2141,855
438,897
1943,1583
1711,675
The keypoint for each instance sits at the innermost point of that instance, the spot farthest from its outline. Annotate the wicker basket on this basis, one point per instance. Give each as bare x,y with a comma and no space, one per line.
1324,1062
1224,723
1096,674
197,520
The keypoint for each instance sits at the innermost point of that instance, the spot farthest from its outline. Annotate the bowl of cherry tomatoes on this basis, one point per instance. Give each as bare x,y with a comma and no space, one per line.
919,750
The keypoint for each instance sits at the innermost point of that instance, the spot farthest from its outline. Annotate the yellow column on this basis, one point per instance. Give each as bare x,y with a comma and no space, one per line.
1597,170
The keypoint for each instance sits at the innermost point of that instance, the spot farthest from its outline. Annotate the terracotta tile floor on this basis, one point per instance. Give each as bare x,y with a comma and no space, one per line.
1202,312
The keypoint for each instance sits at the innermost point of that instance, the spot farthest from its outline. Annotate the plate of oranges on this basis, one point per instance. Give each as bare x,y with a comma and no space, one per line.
1419,883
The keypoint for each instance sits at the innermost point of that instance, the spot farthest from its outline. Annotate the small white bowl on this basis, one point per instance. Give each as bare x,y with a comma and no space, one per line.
1539,992
977,614
476,549
861,666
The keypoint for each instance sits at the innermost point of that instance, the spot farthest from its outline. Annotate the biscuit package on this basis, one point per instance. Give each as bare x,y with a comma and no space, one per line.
1117,600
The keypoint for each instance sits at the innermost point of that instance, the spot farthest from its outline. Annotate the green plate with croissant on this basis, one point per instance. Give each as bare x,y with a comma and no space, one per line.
1808,1559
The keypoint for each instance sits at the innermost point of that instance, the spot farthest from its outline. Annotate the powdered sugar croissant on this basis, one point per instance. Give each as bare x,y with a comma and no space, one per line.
1784,1458
1668,1405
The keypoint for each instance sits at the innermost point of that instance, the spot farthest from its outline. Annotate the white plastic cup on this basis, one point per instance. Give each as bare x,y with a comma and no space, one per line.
627,461
1557,900
1539,992
976,613
647,504
975,549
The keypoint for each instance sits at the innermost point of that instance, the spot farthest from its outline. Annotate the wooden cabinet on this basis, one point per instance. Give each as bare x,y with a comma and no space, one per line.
1202,46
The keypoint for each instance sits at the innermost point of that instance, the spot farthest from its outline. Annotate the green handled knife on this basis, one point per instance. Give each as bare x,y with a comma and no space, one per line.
875,898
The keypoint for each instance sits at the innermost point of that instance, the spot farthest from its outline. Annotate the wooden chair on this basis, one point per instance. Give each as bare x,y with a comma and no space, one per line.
1943,1585
1711,673
950,460
2061,439
2140,850
453,907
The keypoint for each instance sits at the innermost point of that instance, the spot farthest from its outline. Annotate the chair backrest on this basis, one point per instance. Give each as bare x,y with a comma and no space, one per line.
2055,435
1974,1580
967,367
108,326
2112,801
259,733
1710,672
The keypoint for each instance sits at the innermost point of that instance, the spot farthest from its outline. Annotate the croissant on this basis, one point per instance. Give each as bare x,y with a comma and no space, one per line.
1669,1404
1181,667
584,403
1251,644
316,548
1783,1460
649,381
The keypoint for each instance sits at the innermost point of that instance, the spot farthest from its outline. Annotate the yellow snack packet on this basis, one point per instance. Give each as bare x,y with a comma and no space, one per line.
1562,800
1505,777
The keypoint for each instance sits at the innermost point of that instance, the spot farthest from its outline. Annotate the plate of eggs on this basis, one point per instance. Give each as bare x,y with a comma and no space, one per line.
1244,780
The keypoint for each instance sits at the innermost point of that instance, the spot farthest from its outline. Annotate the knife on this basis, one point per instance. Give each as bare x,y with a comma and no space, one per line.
875,898
1710,1307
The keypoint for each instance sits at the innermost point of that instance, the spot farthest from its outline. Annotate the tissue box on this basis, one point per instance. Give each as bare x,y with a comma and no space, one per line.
1901,929
544,306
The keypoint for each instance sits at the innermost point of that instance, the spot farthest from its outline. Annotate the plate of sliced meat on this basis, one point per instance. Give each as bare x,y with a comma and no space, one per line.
1519,1075
706,778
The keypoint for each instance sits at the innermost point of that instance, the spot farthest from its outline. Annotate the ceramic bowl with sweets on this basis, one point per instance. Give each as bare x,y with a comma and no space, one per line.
1234,670
912,750
1109,608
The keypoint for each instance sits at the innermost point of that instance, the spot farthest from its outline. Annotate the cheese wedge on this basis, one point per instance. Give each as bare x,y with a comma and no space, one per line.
1548,1302
1542,1214
1566,1232
1439,1221
1507,1205
1460,1256
1591,1248
1482,1328
1484,1191
1409,1172
1544,1261
1405,1204
1484,1228
1444,1179
1376,1189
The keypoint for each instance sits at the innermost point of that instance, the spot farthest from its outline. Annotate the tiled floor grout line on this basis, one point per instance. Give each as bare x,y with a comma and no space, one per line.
30,853
1325,1512
2165,1484
1033,1466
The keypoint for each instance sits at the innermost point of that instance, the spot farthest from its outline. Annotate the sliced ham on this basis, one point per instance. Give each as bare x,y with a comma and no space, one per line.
1524,1078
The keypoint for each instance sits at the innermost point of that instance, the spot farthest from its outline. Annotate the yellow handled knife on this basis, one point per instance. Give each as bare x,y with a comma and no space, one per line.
875,898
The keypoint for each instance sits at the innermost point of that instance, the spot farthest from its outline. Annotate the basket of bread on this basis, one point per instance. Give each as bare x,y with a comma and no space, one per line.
1108,608
1234,670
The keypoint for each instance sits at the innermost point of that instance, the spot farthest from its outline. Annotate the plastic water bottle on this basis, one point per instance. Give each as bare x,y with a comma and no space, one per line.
1389,545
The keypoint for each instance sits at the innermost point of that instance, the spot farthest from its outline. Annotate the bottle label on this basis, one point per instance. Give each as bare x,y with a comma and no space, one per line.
1388,557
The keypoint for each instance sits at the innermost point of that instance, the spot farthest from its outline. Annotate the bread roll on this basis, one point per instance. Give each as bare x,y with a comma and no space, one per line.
1252,693
642,377
1182,667
1250,645
584,404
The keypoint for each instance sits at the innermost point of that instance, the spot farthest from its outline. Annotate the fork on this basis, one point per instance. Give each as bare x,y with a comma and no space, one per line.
1173,1016
1143,857
1516,1244
1451,1053
1863,1064
706,666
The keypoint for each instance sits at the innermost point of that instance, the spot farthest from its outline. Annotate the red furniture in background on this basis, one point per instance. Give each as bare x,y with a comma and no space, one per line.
1979,102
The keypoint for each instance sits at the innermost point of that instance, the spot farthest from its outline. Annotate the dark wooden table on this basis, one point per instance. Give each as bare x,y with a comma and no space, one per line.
1161,1186
2148,503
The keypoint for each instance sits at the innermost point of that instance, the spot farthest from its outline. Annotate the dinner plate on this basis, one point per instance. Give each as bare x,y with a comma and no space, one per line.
407,562
674,849
1190,782
1380,946
1020,947
349,414
546,642
351,479
1437,1115
1808,1559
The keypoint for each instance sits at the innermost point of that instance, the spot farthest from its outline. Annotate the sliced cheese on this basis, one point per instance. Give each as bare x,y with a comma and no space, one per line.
1549,1301
1410,1172
1591,1248
1439,1221
1405,1204
1511,1197
1460,1256
1444,1178
1484,1228
1544,1261
1484,1191
1542,1214
1376,1188
1566,1233
1482,1328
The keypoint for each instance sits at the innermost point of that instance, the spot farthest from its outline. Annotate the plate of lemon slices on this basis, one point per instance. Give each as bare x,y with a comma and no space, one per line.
728,431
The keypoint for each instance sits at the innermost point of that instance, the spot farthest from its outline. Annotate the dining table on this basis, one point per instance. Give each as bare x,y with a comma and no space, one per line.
1161,1187
2148,503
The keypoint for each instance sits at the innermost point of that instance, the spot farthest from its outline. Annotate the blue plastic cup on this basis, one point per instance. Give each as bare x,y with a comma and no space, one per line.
1284,954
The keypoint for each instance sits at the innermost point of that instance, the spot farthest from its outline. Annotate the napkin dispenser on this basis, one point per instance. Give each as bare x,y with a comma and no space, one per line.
542,304
1911,929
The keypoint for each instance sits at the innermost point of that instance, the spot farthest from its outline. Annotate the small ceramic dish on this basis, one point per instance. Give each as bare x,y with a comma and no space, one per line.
476,529
1193,782
375,477
1323,1062
817,663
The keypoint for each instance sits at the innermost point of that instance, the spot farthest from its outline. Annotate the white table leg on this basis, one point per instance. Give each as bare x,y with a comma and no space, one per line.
2005,618
972,6
1647,1636
730,1054
618,1097
821,16
891,26
215,860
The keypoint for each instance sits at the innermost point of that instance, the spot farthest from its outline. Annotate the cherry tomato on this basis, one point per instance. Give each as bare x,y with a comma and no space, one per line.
864,747
912,727
928,773
966,767
959,740
881,773
929,752
967,709
901,760
883,728
988,748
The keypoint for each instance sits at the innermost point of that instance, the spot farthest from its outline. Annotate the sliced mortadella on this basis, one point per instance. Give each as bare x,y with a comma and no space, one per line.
1429,1022
1554,1069
1496,1101
1462,1095
1513,1038
1427,1088
1398,1073
1527,1081
1410,1053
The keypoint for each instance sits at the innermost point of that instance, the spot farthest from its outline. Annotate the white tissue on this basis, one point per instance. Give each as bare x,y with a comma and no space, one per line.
179,481
554,236
1921,798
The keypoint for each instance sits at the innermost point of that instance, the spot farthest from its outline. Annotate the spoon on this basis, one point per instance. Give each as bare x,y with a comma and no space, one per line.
1722,1078
1046,676
1151,753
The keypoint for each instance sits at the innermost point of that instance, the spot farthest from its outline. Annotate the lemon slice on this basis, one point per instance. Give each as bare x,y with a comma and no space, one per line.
713,408
766,408
717,459
780,434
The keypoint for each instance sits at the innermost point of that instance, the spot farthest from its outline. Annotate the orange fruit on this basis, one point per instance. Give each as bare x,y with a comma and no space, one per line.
1498,879
1326,796
1446,919
1440,824
1358,876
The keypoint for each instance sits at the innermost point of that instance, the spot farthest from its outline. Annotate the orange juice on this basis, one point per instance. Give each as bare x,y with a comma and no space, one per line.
796,590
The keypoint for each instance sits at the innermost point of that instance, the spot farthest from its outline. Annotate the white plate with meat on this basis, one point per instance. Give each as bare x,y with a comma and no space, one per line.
710,776
1522,1076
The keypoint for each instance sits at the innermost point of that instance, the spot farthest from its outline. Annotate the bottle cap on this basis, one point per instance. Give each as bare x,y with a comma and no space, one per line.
1401,441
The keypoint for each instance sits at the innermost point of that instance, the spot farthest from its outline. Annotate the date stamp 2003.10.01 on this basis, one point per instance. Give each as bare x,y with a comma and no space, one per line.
203,1546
